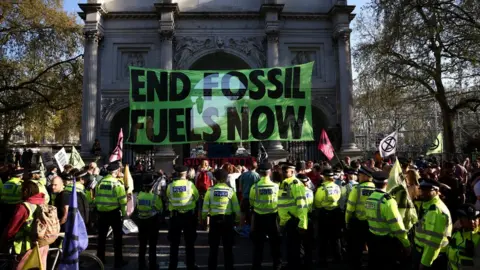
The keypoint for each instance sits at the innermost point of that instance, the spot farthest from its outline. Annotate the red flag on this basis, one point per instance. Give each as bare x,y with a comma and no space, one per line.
325,145
117,153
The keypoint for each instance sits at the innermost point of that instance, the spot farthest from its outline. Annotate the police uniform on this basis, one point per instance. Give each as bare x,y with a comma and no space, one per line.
293,212
386,228
149,208
264,200
356,220
221,204
432,230
111,203
308,238
11,195
329,218
182,197
464,242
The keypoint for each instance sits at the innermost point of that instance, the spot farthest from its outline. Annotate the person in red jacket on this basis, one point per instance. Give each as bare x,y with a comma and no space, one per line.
19,229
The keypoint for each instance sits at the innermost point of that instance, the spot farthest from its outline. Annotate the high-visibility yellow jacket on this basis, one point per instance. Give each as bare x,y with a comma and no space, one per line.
264,196
432,230
110,195
221,200
182,196
356,201
148,205
22,241
327,196
292,202
384,218
309,198
12,191
459,258
43,190
79,187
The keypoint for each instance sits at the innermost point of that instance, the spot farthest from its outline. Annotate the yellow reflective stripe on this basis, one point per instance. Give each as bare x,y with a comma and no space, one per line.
392,221
300,198
428,243
430,233
377,229
218,203
350,202
350,211
286,204
205,210
266,210
302,206
107,203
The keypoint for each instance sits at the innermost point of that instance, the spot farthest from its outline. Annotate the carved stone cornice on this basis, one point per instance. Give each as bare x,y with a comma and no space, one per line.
342,9
219,15
304,16
166,35
273,37
342,33
93,35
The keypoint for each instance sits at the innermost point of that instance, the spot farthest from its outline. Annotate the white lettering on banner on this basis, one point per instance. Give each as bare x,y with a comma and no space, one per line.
62,159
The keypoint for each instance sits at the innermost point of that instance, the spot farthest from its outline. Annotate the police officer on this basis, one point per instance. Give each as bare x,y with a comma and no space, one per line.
149,207
111,203
386,227
308,238
433,229
182,196
329,218
34,176
11,196
293,212
221,204
263,199
465,242
355,218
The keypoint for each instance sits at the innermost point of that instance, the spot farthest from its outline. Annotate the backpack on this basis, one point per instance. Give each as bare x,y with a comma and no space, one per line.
203,181
46,226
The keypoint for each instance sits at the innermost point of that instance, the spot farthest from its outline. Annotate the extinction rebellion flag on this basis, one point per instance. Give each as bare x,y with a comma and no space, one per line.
177,107
326,146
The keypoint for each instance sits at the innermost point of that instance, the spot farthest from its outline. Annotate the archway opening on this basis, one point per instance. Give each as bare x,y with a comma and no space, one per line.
218,61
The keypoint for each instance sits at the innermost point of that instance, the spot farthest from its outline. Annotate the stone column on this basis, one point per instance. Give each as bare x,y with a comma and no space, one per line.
165,155
271,10
90,91
346,89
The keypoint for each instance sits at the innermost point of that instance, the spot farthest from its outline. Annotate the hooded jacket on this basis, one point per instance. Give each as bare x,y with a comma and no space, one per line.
21,215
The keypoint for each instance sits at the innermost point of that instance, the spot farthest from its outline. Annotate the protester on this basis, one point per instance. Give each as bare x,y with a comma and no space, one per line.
246,181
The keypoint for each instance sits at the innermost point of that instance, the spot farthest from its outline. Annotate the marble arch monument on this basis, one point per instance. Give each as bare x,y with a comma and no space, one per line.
178,34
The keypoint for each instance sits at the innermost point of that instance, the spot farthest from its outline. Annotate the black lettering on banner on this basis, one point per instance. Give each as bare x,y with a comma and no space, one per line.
226,83
288,82
297,92
175,125
270,125
137,85
175,77
207,118
208,84
272,78
190,129
134,115
156,86
288,120
163,128
235,124
260,93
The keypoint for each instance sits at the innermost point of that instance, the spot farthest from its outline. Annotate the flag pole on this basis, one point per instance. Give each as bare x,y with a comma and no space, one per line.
339,161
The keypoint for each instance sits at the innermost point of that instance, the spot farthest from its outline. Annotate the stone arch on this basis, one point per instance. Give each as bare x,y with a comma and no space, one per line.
110,108
205,53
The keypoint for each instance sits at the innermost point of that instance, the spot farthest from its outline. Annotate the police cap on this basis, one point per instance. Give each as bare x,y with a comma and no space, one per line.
82,174
113,166
468,211
288,165
380,177
18,172
429,184
181,169
264,167
300,166
327,172
35,171
365,171
351,171
302,177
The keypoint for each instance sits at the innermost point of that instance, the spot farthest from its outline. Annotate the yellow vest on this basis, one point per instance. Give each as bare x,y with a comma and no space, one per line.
22,241
12,191
221,200
328,195
110,195
356,201
457,254
182,196
292,202
263,196
148,205
43,190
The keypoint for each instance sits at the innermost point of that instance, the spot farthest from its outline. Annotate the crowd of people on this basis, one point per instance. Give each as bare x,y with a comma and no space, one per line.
312,214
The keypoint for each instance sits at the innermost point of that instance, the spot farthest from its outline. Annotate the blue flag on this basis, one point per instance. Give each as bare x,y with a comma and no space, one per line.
76,237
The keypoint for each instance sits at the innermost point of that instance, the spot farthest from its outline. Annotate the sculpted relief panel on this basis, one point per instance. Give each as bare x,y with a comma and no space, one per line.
302,57
187,48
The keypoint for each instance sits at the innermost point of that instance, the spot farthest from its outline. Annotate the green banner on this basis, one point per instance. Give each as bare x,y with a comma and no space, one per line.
186,106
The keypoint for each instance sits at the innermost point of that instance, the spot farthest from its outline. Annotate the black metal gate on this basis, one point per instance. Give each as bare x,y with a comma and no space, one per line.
304,151
144,155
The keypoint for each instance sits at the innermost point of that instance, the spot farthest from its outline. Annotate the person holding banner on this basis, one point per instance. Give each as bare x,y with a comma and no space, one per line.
111,203
182,198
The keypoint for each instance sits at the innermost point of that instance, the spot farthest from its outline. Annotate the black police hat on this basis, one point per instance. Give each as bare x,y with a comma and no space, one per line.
300,166
429,184
327,172
35,171
18,172
469,211
220,174
181,168
351,171
288,165
113,166
365,170
303,178
81,174
264,167
380,177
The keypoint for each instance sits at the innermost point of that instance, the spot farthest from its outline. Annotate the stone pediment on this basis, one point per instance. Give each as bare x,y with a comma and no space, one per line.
188,49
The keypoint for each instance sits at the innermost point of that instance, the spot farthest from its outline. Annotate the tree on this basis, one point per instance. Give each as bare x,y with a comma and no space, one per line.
40,45
40,64
427,46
